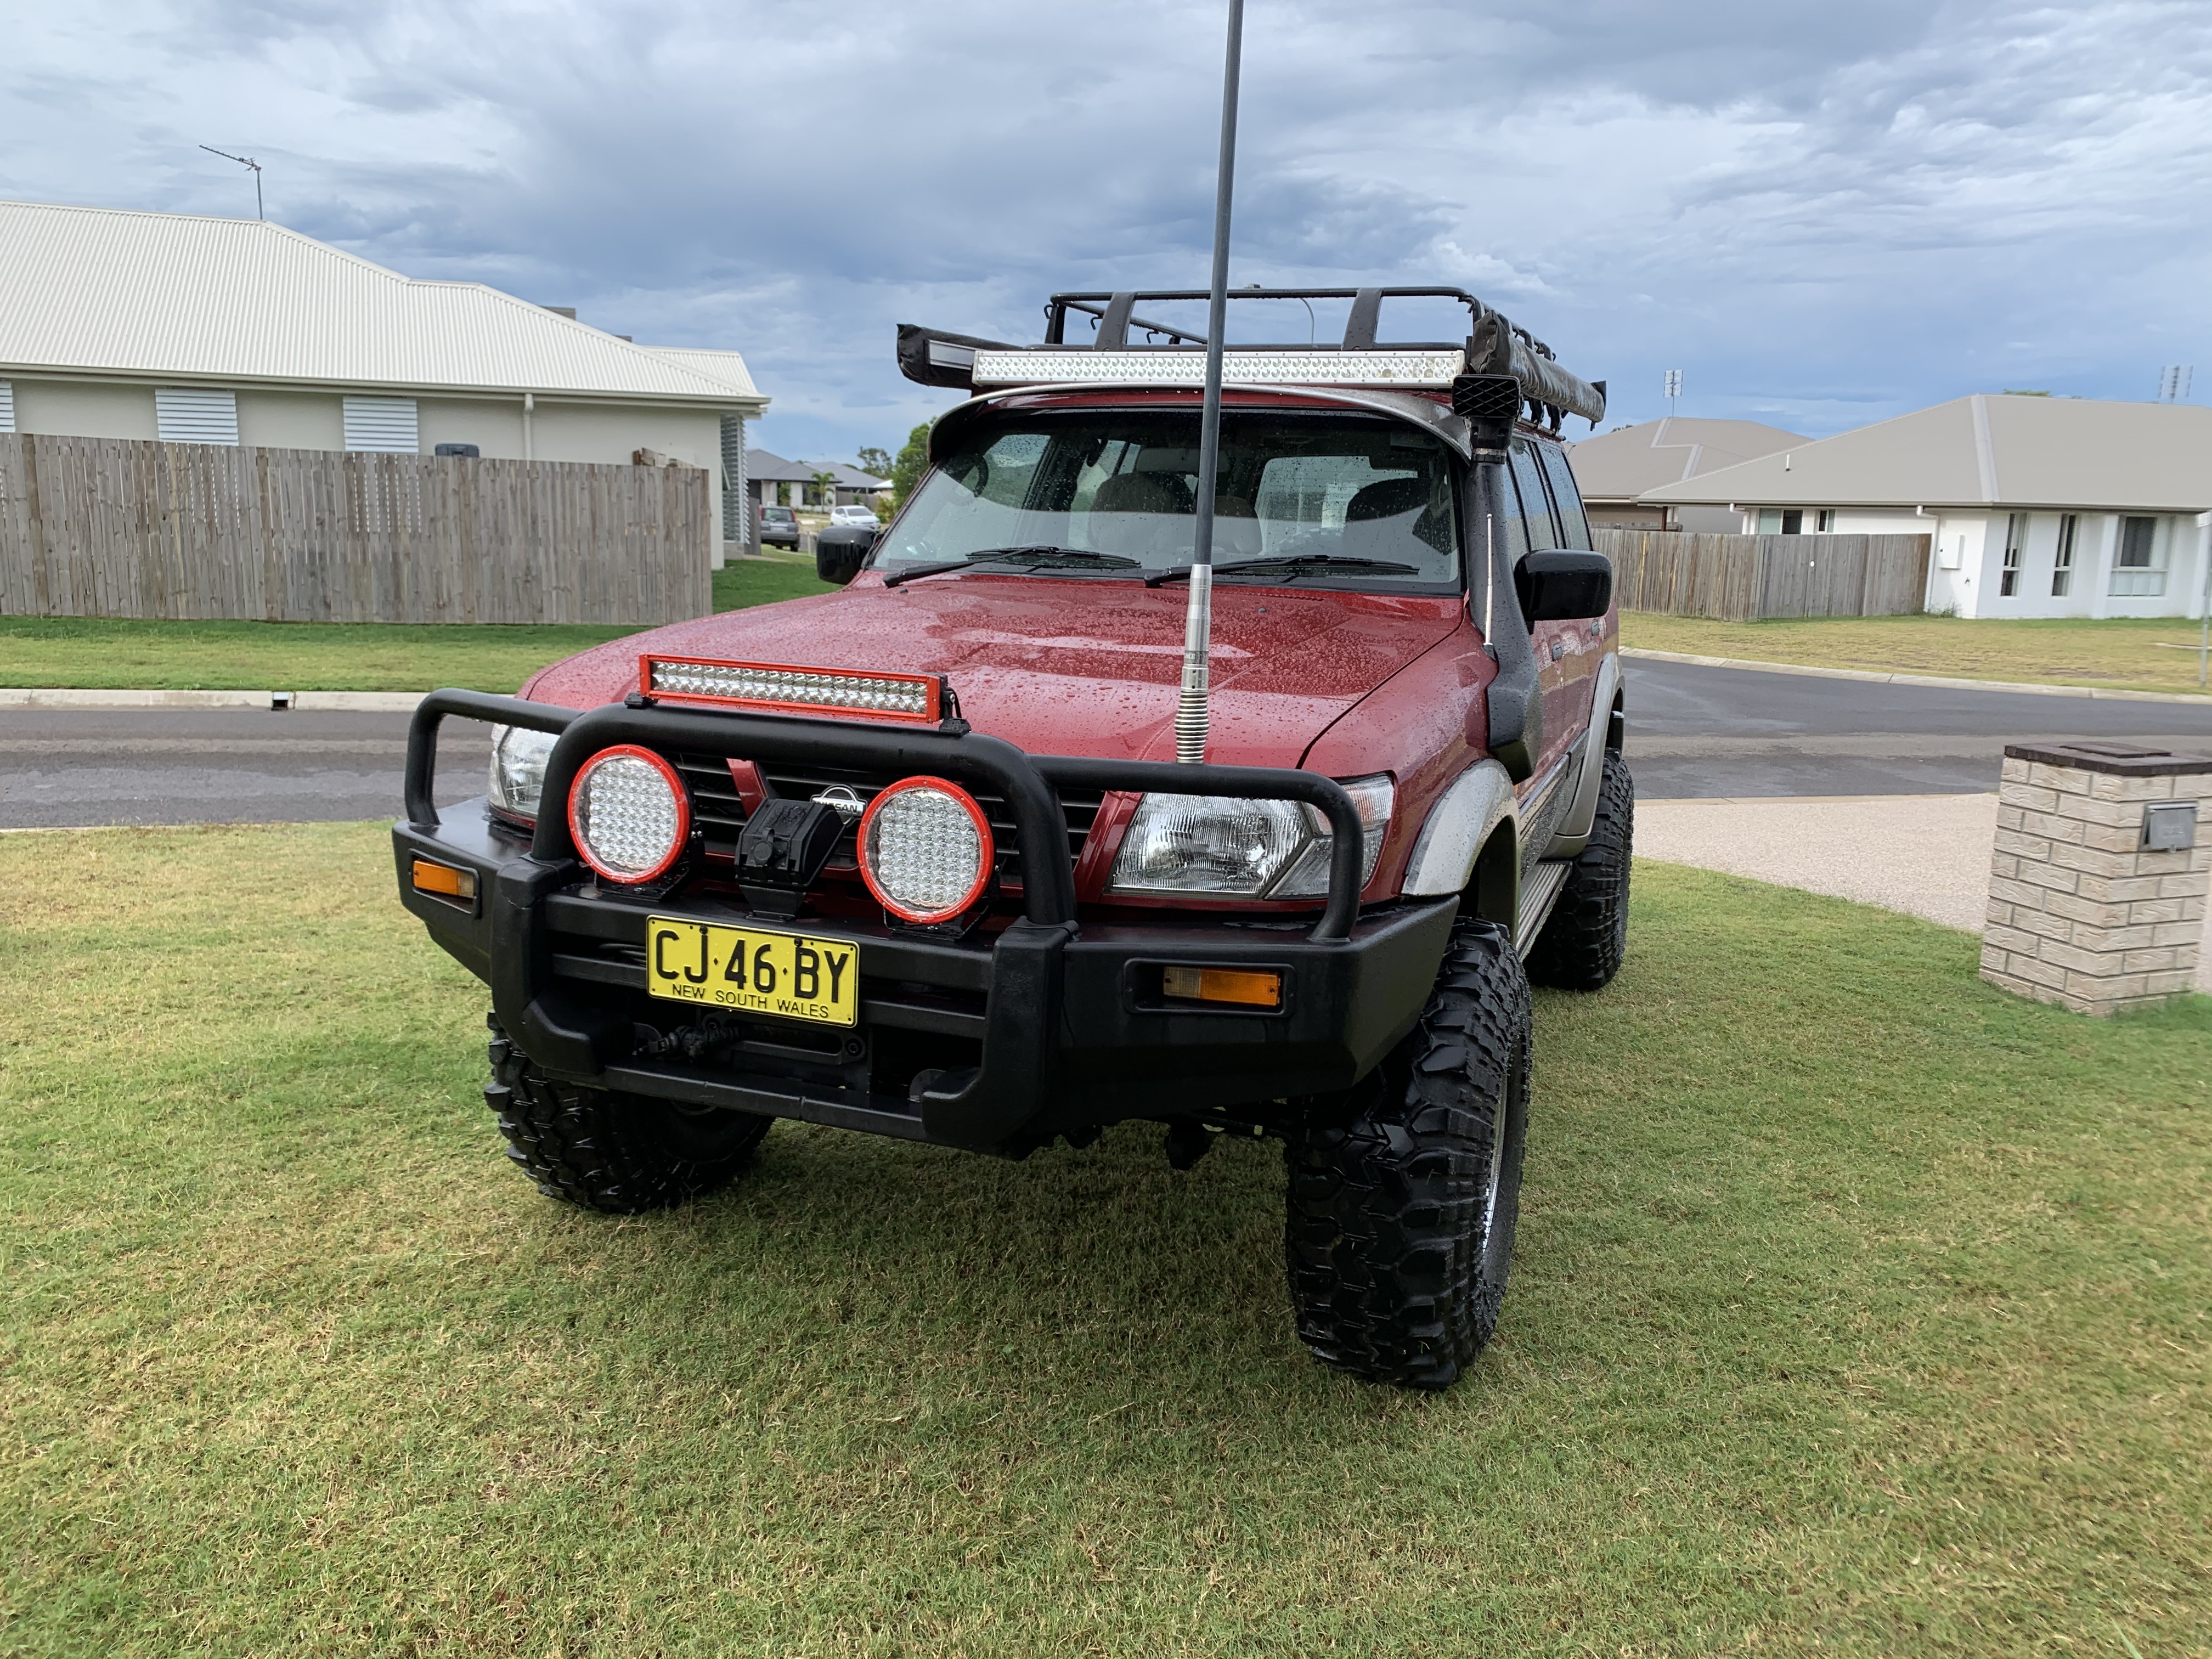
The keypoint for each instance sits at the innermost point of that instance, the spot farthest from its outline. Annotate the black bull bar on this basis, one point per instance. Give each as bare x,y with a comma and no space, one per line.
1360,980
1027,781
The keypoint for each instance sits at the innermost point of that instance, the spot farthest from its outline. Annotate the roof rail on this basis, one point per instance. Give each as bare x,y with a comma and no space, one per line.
1173,354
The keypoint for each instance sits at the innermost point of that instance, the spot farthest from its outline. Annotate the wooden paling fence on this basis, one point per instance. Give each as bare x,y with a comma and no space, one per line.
118,527
1751,578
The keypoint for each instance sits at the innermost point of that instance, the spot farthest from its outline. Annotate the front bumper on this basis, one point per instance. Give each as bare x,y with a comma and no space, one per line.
1049,1026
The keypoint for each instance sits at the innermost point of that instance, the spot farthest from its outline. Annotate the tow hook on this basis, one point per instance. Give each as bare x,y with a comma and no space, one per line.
694,1043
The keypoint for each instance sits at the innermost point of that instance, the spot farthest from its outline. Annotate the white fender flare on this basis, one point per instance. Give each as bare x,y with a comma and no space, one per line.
1574,831
1465,815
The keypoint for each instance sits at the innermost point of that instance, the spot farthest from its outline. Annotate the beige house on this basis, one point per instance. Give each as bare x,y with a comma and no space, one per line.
2037,506
1613,469
157,325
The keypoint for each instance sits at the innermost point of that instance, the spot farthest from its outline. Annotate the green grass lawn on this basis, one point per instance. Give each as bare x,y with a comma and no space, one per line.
1857,1309
2130,654
65,651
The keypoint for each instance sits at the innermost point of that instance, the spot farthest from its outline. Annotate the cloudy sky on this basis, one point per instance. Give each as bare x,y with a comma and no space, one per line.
1821,214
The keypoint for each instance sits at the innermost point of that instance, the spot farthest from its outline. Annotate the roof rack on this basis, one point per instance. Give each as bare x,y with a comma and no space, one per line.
1171,354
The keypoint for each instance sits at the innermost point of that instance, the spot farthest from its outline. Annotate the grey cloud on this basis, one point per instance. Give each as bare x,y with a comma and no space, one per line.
1834,212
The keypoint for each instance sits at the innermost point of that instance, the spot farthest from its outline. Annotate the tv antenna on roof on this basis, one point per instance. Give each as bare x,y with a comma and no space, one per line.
1193,713
2173,383
244,161
1673,388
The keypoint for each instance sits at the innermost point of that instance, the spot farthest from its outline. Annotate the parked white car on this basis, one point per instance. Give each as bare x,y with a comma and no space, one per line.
863,516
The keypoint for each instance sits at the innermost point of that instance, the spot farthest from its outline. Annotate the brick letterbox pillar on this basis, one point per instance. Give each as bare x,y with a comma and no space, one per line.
2097,886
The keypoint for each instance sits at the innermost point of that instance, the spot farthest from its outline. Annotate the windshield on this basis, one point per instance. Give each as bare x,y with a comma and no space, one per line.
1327,490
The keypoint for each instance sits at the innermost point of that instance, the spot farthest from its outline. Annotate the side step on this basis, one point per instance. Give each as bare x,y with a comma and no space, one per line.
1540,892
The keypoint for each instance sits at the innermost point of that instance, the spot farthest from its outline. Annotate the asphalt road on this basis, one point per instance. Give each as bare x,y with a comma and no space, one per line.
1728,732
77,768
1693,732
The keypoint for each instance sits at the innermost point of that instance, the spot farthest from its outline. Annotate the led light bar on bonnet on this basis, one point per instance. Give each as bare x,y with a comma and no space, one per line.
779,687
1087,365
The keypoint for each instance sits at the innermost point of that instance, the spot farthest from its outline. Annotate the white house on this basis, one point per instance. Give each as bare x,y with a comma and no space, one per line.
1614,469
2038,507
158,326
796,483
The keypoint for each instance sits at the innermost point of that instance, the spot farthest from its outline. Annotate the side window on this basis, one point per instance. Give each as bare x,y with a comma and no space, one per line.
1535,502
1574,526
1511,528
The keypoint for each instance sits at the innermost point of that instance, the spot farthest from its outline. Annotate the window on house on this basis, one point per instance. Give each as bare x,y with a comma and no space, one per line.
1824,520
382,425
2061,566
2015,534
7,406
2139,571
1770,521
1793,522
195,415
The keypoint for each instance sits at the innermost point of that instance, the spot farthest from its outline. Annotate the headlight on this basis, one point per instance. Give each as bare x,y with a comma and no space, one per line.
1242,849
518,768
629,813
1309,877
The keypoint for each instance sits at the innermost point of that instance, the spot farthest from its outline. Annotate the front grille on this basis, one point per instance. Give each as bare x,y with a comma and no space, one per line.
715,808
805,782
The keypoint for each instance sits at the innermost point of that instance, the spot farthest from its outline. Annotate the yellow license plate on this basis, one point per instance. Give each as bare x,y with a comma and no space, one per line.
754,971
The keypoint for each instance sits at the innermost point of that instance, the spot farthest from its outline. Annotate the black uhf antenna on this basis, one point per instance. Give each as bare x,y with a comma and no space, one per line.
244,161
1193,716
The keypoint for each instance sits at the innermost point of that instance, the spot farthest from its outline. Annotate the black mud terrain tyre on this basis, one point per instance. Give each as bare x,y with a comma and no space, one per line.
1404,1190
607,1151
1586,936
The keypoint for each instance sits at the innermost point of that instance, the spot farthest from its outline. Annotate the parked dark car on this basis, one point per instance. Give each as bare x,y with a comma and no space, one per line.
779,527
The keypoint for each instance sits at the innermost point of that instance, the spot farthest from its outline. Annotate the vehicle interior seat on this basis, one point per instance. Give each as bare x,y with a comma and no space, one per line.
1125,514
1379,519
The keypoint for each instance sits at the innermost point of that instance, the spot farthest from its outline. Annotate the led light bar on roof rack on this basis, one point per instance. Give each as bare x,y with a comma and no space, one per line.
1494,346
780,688
1432,370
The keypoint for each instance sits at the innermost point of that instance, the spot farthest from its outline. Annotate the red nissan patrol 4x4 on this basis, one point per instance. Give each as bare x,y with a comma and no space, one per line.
914,858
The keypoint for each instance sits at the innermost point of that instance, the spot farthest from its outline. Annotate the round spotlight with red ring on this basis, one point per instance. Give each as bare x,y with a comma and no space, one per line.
926,849
629,813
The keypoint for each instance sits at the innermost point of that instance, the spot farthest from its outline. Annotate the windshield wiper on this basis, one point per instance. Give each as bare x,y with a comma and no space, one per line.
1031,558
1295,565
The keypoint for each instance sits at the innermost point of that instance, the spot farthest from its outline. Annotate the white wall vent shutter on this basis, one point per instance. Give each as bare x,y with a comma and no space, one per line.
734,528
7,406
383,424
192,415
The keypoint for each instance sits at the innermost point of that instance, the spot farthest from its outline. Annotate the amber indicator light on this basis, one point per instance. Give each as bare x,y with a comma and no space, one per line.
444,880
1252,988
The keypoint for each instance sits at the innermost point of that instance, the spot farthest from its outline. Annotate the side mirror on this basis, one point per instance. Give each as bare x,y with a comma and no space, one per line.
841,550
1563,584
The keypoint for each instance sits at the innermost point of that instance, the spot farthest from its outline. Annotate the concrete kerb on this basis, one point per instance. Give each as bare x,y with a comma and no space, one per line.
352,702
2029,688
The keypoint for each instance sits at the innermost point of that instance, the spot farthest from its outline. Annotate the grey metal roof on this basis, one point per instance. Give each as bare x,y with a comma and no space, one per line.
765,467
1987,450
102,291
1621,466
